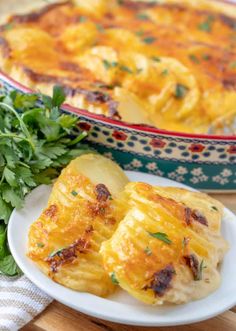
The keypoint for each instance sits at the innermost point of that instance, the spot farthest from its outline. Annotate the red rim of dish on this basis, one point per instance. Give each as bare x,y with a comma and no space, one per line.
138,127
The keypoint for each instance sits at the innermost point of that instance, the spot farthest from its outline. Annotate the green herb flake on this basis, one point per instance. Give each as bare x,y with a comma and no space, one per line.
199,275
148,251
206,57
108,65
142,17
100,28
126,69
139,70
165,72
149,40
8,26
83,19
56,252
232,65
40,245
139,33
114,279
214,208
161,236
207,24
194,58
180,91
74,193
156,58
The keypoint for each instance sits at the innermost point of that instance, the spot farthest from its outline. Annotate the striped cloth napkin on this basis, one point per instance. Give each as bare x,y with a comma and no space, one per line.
20,302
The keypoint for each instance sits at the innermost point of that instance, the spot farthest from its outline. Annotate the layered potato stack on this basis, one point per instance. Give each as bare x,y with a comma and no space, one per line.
98,232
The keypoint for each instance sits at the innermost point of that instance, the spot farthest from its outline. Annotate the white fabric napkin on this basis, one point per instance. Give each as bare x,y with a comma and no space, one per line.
20,302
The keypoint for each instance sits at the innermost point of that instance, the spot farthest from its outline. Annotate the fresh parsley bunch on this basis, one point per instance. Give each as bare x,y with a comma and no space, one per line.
35,143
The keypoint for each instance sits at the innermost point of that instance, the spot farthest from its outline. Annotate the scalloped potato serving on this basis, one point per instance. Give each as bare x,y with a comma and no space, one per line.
160,244
65,240
158,63
164,249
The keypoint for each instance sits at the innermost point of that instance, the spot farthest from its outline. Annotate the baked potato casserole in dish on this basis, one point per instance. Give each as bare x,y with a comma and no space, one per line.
167,64
123,63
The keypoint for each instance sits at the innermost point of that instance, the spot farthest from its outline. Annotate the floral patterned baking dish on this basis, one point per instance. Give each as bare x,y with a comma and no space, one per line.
204,162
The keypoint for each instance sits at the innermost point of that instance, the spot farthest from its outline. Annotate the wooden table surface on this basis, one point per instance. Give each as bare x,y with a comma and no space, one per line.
58,317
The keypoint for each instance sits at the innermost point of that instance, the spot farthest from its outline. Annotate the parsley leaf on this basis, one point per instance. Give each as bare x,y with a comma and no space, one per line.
200,271
161,236
180,91
194,58
126,69
148,251
207,24
114,279
142,17
9,267
149,40
108,65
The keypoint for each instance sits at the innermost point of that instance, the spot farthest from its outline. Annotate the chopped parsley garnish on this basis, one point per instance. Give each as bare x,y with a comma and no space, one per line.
200,271
56,252
148,251
100,28
161,236
108,65
142,16
125,68
194,58
156,58
206,57
165,72
8,26
139,70
232,65
40,245
82,19
149,40
139,33
74,193
113,278
214,208
180,91
207,24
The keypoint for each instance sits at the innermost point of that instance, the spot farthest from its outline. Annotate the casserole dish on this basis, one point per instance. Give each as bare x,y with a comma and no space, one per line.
203,161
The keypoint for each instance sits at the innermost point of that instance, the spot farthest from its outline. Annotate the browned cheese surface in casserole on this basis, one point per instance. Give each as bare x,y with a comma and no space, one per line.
166,64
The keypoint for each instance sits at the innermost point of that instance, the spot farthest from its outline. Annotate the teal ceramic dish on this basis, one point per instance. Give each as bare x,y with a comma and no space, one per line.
204,162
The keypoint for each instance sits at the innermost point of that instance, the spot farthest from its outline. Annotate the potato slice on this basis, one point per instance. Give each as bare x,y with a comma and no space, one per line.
65,240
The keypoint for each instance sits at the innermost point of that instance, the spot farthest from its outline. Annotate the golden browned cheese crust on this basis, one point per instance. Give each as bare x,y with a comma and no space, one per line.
65,240
166,64
167,246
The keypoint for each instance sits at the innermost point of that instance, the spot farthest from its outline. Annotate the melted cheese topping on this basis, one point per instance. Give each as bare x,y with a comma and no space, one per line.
169,65
149,251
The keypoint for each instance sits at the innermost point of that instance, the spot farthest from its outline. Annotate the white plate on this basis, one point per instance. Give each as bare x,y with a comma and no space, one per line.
120,307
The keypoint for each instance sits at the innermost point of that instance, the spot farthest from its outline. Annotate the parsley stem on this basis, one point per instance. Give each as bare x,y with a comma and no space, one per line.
22,124
14,136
